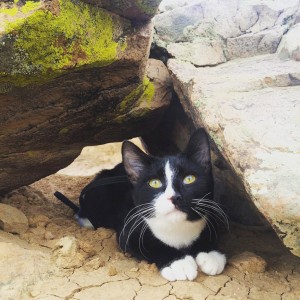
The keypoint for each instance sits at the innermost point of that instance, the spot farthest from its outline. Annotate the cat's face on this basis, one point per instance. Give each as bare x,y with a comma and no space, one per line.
170,188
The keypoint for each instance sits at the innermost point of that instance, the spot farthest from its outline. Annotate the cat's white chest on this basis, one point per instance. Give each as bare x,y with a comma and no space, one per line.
177,233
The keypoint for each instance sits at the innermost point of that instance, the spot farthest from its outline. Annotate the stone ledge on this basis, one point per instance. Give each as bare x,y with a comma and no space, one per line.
251,109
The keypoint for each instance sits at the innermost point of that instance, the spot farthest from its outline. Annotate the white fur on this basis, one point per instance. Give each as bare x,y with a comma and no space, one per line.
211,263
84,222
181,269
169,224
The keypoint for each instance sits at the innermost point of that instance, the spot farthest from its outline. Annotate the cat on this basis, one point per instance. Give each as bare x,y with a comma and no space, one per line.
161,208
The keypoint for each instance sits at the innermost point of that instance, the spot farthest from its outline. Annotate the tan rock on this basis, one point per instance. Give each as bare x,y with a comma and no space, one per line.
112,271
39,220
12,219
248,262
49,235
66,253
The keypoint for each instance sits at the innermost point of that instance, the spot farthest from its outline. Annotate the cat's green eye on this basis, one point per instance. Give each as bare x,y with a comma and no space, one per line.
155,183
189,179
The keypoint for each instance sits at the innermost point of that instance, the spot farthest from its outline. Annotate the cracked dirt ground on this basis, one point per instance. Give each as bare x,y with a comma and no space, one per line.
56,259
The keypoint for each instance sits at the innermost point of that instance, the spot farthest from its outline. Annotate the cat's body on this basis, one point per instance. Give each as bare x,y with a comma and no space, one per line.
165,212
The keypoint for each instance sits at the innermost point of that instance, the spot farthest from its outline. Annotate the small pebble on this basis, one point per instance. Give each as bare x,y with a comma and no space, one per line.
112,271
48,235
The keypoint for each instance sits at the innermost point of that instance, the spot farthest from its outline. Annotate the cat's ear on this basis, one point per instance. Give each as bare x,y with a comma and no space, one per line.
198,149
134,160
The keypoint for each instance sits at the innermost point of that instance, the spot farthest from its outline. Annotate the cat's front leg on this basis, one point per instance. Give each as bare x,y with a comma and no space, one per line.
211,263
182,269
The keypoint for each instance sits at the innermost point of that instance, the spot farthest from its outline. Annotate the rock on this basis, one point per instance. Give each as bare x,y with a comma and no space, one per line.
49,235
132,9
66,253
289,47
94,264
71,75
250,44
248,262
112,271
253,122
17,260
170,25
199,53
39,220
222,30
12,220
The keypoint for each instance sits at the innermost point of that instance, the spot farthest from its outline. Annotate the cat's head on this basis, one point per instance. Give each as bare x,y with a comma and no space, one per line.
171,187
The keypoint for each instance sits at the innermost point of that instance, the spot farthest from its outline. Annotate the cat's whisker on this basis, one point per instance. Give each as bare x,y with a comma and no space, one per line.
208,222
214,216
213,207
221,215
143,230
129,218
217,216
139,220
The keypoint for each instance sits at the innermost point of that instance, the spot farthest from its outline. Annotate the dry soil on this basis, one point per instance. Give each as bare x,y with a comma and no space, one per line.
56,259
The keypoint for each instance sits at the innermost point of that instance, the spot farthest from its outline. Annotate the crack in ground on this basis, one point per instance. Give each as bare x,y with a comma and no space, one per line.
90,286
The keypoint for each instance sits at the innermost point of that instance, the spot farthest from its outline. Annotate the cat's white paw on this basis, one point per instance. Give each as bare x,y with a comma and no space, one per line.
211,263
181,269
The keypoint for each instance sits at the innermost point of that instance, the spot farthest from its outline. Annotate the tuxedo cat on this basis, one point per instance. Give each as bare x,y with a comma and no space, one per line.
163,211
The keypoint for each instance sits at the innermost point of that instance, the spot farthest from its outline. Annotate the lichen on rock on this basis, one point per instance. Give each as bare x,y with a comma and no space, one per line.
143,92
44,45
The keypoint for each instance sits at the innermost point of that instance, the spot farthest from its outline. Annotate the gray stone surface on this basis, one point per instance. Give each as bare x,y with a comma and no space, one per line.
251,108
240,28
289,47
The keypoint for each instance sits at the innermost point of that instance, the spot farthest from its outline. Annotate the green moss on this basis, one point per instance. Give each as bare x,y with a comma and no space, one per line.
32,154
9,11
143,93
29,6
45,46
64,130
148,91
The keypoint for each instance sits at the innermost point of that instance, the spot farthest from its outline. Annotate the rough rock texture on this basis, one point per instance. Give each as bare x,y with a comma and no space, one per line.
248,261
131,9
289,47
250,107
212,32
101,271
12,220
71,74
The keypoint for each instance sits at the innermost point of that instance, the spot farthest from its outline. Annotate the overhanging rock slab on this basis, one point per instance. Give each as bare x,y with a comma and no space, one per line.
251,109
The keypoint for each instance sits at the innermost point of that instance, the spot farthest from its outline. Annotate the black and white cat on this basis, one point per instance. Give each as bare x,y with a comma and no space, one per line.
165,213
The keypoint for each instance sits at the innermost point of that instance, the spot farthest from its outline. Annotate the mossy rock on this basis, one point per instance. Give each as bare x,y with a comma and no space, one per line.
40,42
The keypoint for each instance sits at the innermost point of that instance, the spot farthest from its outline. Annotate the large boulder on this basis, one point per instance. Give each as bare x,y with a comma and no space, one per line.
71,74
208,33
250,107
